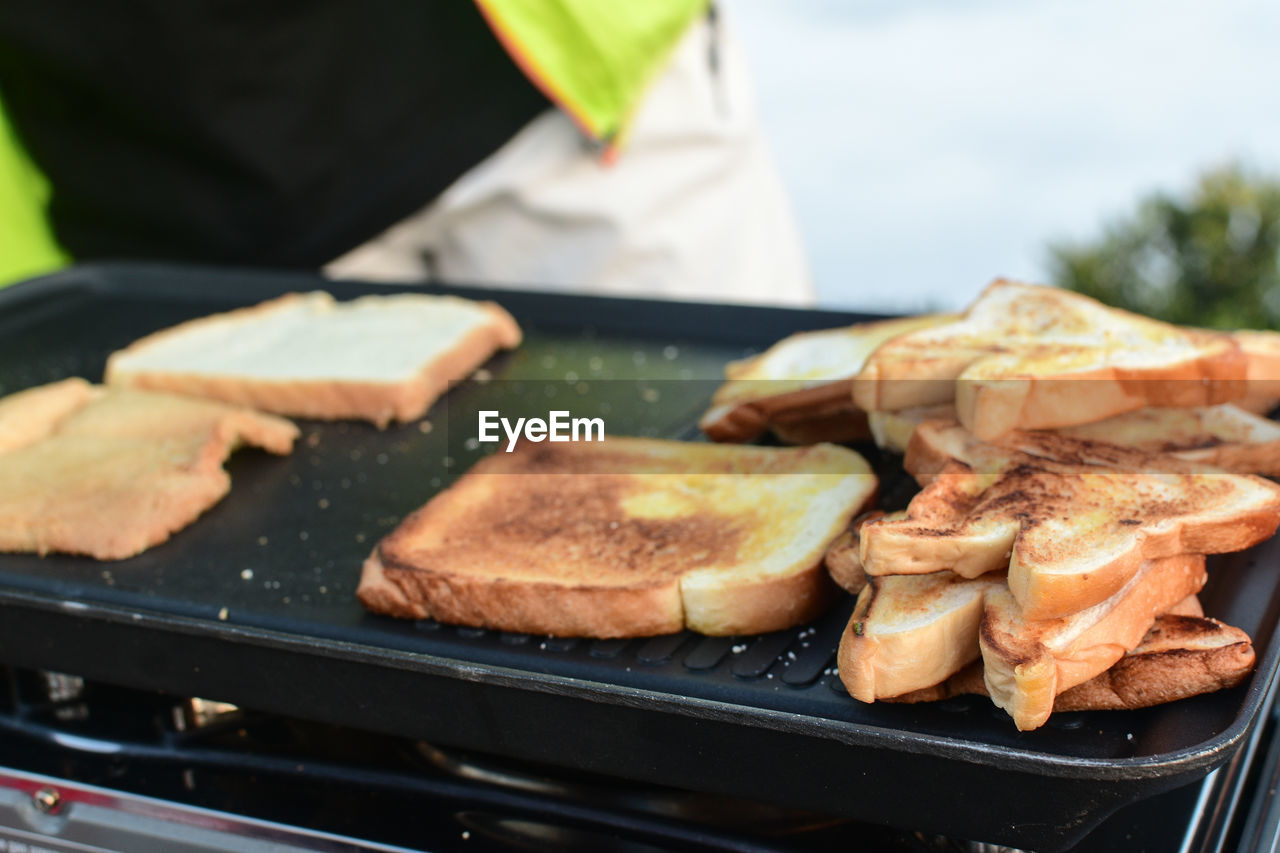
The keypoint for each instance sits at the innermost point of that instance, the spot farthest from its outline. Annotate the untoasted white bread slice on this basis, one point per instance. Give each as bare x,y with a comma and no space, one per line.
1181,656
1224,436
1028,357
908,632
800,378
625,537
1027,663
1071,520
376,358
1262,352
122,471
892,430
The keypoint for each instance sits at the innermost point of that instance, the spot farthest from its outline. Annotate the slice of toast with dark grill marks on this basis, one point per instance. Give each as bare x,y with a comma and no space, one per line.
625,537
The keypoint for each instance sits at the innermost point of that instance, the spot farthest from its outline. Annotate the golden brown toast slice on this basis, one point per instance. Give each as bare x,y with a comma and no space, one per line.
30,415
1029,357
625,537
1189,606
1180,656
1027,663
123,471
801,378
1070,520
969,678
843,564
376,358
908,632
1262,353
1224,436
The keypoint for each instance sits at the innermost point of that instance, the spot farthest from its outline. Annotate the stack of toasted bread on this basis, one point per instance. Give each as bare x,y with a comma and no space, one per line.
1076,464
1047,556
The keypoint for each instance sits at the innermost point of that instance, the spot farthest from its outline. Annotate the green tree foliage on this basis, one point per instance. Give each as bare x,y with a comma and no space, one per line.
1211,259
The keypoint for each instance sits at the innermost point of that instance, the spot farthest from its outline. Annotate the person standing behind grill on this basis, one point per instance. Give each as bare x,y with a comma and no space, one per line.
568,144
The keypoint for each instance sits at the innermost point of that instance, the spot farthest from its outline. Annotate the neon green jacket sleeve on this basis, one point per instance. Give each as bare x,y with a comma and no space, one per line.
592,58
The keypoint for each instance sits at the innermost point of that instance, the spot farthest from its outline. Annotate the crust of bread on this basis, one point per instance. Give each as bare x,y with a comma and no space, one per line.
930,449
989,408
1072,520
124,472
746,420
584,610
321,399
1223,436
908,632
578,540
1026,663
1181,656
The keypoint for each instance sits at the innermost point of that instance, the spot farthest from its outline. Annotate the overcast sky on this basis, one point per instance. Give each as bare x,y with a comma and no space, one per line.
930,146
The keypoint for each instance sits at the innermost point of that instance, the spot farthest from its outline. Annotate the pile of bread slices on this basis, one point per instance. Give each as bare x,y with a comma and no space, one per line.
1076,464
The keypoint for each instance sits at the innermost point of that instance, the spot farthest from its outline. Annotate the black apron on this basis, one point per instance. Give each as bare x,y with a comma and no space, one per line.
261,132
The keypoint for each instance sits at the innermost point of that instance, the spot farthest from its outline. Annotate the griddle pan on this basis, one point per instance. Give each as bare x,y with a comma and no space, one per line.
254,604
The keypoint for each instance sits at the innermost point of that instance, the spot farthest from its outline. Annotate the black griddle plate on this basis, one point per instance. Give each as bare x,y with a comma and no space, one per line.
254,603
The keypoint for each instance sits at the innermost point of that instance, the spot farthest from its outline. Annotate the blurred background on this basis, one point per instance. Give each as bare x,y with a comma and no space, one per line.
1129,148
